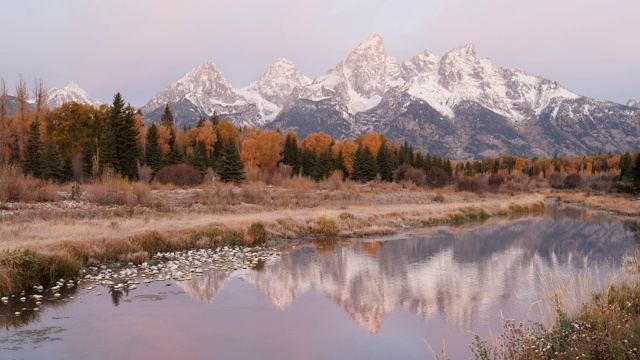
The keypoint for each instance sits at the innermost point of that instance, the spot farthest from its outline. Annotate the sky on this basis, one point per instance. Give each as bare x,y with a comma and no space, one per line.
138,47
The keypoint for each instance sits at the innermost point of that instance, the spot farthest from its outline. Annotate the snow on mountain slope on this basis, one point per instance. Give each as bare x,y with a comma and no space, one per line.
360,81
204,86
461,76
71,92
633,102
273,88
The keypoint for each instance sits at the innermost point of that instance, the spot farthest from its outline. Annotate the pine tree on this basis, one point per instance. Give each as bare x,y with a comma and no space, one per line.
51,164
635,173
215,119
67,169
128,149
88,153
364,165
385,165
199,158
14,147
167,117
307,162
231,166
110,137
33,151
291,153
406,154
448,168
340,165
323,166
428,163
174,156
626,164
153,152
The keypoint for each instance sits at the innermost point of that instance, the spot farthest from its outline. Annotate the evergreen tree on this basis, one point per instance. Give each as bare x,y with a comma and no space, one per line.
110,137
340,165
128,149
199,158
418,160
406,154
33,151
215,119
307,162
364,165
626,164
323,166
291,153
635,173
14,147
153,152
231,166
67,169
428,163
448,168
167,117
51,164
88,154
217,149
385,164
174,156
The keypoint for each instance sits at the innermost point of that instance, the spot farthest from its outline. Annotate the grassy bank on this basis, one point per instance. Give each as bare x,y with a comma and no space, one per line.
606,325
69,244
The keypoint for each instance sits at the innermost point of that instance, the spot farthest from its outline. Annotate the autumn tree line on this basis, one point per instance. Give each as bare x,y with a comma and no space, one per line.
77,142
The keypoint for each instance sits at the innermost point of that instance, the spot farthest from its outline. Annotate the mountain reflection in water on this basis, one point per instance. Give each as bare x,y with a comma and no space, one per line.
456,274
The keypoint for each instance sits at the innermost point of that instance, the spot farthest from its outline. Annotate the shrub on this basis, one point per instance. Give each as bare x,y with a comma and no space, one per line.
326,225
495,180
555,180
409,173
437,178
256,235
572,181
139,194
346,216
14,186
439,198
145,173
179,175
109,189
468,183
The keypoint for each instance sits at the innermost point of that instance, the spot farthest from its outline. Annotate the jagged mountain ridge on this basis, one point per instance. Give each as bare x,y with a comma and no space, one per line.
71,92
457,105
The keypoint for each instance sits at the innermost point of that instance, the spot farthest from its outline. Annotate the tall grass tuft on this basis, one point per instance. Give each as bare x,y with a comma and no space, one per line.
326,225
579,318
256,234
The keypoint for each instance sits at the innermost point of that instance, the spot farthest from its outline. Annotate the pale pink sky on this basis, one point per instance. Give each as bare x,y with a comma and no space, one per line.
139,47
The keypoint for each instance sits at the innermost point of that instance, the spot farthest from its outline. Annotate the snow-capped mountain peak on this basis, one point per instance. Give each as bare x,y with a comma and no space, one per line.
205,87
633,102
276,84
274,88
71,92
456,105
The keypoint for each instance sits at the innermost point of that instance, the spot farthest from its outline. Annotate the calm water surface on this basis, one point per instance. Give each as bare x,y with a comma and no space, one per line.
374,299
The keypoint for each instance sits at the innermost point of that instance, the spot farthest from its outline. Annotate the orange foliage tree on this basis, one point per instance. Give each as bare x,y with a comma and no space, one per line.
317,142
270,145
349,148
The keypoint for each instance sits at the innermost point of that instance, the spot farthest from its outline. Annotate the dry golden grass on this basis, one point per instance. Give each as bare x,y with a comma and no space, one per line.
125,221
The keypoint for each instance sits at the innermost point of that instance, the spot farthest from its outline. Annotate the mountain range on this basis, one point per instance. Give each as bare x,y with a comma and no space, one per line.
456,105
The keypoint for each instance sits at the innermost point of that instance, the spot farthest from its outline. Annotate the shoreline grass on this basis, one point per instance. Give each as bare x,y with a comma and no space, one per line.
578,318
37,262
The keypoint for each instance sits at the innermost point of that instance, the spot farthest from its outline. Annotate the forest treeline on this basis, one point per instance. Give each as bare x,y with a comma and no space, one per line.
77,142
